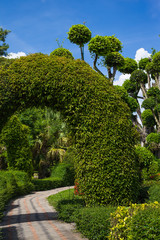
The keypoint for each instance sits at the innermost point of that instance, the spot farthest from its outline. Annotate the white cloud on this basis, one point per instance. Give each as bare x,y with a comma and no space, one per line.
141,53
16,55
121,79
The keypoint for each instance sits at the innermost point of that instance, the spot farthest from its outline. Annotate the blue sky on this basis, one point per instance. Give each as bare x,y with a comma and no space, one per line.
36,24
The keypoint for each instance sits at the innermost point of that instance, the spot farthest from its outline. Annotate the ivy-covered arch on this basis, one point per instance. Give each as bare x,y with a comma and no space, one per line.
105,160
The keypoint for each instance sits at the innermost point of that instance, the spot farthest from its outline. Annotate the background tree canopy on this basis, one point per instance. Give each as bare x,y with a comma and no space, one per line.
99,121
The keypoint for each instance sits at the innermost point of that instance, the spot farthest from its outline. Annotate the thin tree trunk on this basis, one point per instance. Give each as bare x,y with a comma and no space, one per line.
95,67
143,90
82,52
149,80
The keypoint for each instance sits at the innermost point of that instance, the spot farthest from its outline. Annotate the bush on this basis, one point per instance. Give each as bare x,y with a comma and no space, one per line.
94,222
14,183
154,192
68,209
147,162
47,183
99,121
124,225
145,224
15,137
62,52
67,204
62,175
65,171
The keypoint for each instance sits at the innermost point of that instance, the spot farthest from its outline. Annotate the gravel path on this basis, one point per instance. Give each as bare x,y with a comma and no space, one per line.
30,217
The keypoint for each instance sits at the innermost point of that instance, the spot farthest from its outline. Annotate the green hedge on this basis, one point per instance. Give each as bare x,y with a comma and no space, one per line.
99,121
47,183
62,175
94,222
13,183
139,221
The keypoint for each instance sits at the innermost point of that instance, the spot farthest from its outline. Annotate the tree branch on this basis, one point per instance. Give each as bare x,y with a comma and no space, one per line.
95,67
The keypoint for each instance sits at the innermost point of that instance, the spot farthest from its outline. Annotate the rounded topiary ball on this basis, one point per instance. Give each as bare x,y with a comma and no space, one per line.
114,59
62,52
79,34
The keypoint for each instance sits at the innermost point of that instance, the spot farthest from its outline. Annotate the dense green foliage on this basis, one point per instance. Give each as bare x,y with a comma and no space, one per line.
48,138
154,192
79,34
13,183
153,138
138,76
147,161
129,66
62,175
108,222
136,222
151,229
4,46
62,52
131,102
15,137
148,119
114,59
94,222
143,62
99,121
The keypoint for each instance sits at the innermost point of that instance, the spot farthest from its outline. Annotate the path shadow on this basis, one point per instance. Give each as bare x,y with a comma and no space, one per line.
9,233
31,217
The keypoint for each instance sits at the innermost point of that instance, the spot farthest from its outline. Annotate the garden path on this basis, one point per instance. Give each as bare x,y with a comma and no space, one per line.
30,217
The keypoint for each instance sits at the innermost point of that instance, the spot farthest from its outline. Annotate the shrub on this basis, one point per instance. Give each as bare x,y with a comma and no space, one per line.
79,34
47,183
147,161
154,192
62,175
65,171
99,121
94,222
13,183
145,224
123,221
62,52
15,137
66,204
68,209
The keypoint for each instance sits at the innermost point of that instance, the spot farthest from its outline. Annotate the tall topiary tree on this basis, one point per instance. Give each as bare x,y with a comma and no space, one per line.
79,34
106,47
4,46
99,121
15,137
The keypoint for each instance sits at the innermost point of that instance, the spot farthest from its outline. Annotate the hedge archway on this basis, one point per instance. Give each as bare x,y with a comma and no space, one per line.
105,161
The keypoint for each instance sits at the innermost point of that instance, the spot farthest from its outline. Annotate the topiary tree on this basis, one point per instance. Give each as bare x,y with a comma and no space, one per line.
153,141
108,48
99,121
62,52
129,66
113,60
4,46
146,79
15,137
148,164
79,34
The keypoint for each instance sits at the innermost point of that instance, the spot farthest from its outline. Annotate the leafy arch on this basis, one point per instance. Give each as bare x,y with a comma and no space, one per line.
105,161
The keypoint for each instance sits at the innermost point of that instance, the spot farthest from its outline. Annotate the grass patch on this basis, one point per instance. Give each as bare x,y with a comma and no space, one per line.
93,222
